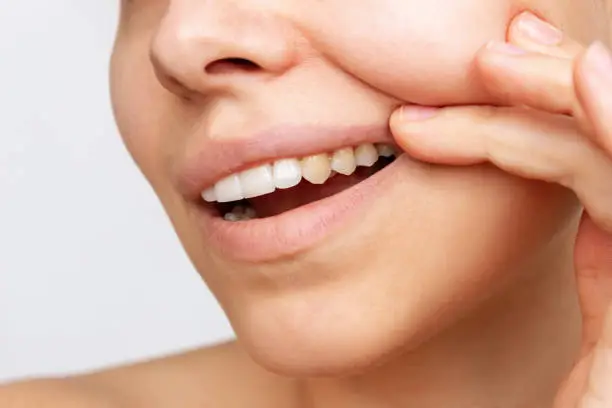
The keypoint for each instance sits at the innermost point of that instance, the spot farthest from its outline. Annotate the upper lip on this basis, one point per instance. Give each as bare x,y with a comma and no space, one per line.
217,158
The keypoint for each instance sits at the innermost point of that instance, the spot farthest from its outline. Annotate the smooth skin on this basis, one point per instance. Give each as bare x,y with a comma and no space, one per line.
554,124
559,133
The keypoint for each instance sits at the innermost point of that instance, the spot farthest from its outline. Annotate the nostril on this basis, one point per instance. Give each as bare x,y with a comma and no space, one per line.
231,65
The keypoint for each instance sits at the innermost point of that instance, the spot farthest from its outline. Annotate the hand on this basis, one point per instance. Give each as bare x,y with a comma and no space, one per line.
554,124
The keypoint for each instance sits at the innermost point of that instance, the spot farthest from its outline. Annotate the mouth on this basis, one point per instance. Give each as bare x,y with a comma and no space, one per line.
275,188
282,192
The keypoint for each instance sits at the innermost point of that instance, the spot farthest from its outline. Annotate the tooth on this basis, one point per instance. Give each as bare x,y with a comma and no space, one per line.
366,155
238,209
237,213
317,168
240,213
229,189
209,195
230,216
250,213
343,161
257,181
287,173
385,150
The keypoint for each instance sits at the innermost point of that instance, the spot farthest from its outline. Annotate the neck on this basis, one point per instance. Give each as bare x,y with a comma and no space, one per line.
512,352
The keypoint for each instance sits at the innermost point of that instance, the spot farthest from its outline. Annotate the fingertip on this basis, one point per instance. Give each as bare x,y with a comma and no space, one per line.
407,115
530,27
593,90
405,122
398,129
492,67
395,121
514,34
533,33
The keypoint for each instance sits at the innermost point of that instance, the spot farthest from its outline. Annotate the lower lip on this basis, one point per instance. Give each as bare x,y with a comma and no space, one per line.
297,230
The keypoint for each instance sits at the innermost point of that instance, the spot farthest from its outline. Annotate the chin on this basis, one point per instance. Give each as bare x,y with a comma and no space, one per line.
343,325
321,345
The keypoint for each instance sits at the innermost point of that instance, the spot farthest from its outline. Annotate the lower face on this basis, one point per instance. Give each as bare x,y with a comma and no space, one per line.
352,277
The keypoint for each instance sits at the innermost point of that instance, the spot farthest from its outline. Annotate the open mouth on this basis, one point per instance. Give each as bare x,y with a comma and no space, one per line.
274,188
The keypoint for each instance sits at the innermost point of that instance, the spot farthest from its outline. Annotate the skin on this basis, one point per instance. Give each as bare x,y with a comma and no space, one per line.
429,319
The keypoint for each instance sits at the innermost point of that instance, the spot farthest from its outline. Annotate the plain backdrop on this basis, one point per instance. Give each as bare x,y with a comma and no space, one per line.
91,273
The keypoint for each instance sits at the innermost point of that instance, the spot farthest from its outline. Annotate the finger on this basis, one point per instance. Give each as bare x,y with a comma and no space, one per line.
524,142
528,143
593,79
532,33
573,388
515,77
581,88
599,388
593,263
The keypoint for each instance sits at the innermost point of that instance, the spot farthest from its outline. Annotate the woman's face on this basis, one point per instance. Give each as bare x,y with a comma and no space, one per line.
205,89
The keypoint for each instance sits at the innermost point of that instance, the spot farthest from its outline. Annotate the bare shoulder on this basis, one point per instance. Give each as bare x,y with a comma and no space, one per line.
207,377
52,393
200,378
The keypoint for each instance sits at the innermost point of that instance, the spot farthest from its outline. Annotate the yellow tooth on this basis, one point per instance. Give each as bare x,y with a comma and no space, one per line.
316,169
366,155
343,161
385,150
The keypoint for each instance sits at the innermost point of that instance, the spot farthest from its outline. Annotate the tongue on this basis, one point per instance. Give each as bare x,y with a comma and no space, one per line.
305,193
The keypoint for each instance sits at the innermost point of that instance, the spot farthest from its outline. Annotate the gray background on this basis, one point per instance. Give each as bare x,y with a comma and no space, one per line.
91,273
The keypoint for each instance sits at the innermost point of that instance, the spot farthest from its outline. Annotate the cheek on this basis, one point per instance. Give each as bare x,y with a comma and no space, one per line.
414,50
422,51
136,100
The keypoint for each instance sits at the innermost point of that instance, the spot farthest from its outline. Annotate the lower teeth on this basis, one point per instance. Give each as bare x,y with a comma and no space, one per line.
240,213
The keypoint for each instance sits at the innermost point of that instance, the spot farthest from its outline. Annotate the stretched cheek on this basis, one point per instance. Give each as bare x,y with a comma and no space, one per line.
414,50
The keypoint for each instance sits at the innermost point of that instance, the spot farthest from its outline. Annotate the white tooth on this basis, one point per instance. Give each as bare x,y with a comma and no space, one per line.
229,189
287,173
385,150
366,155
343,161
230,216
238,213
257,181
317,168
209,195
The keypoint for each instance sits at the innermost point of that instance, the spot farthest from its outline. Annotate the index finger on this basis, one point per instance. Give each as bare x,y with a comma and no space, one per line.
535,34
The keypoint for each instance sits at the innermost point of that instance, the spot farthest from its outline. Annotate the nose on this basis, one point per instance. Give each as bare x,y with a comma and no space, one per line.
215,46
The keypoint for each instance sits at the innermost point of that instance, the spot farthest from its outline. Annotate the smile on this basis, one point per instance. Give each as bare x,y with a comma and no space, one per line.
278,200
271,189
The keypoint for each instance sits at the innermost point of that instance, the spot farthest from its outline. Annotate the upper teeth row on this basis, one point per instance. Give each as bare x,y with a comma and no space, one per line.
287,173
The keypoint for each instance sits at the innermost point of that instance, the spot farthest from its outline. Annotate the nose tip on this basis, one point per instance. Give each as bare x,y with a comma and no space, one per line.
204,52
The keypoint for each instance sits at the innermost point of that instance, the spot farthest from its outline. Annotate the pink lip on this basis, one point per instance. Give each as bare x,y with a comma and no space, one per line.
298,230
217,158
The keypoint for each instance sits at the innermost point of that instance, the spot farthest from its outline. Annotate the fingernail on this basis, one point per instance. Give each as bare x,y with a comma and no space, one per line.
417,112
538,30
505,48
598,57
